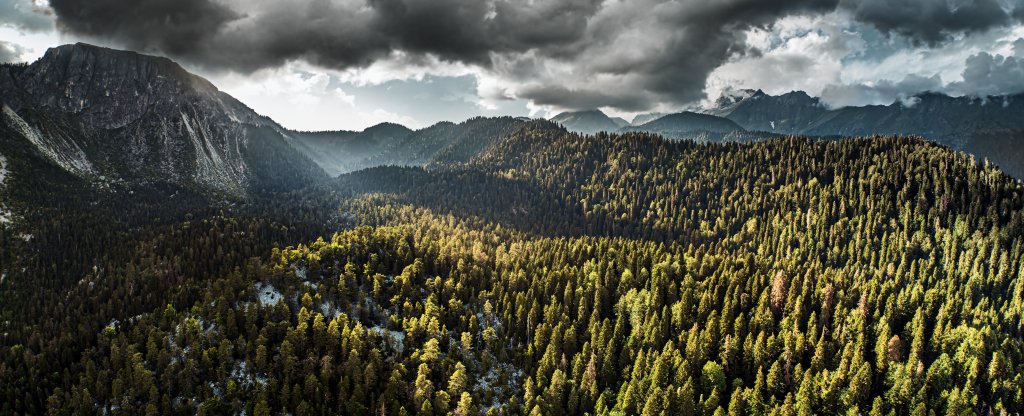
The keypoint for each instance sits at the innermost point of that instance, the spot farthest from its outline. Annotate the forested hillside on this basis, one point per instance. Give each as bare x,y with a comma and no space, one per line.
554,274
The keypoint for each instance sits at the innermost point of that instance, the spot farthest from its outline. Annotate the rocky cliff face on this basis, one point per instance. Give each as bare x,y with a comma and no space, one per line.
788,113
132,118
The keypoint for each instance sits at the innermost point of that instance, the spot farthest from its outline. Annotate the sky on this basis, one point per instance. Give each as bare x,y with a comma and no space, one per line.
350,64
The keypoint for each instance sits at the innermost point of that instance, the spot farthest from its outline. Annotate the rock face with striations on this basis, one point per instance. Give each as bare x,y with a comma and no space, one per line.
137,119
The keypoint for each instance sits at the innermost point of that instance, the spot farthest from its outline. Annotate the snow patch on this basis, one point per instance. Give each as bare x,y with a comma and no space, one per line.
3,169
491,382
329,311
300,272
245,377
268,294
773,124
395,339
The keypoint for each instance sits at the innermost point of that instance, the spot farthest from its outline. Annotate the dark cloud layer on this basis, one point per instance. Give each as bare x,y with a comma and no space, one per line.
987,74
174,27
628,54
931,21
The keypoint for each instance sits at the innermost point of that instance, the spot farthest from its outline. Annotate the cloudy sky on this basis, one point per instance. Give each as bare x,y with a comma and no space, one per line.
349,64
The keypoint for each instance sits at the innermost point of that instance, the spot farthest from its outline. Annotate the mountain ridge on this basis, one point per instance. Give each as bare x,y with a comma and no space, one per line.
990,127
158,122
586,121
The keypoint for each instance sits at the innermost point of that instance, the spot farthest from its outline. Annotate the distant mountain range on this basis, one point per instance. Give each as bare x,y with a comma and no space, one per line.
121,119
116,118
991,128
589,122
687,122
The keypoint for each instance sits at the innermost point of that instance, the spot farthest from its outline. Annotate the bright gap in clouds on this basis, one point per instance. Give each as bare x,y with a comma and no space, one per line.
851,64
302,97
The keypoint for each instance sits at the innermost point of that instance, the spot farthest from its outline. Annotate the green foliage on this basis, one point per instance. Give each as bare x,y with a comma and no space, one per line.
560,274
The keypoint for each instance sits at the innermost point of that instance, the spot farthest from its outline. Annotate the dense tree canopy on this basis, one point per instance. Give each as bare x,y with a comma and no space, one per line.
553,274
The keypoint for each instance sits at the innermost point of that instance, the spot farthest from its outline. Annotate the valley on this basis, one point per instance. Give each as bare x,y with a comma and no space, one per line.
170,251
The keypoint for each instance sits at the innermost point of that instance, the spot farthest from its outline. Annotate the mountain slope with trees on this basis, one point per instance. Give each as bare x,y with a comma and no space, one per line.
989,127
514,267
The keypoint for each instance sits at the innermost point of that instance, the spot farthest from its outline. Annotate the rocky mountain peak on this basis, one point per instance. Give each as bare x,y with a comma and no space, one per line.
111,88
138,119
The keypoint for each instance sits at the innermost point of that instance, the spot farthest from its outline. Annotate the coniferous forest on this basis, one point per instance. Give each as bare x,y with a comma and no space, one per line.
541,273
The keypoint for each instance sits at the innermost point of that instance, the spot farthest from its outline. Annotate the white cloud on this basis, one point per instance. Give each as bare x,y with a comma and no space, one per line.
795,53
849,63
295,97
402,66
31,45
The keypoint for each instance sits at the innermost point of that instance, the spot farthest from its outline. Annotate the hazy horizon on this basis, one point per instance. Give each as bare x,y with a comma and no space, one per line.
350,65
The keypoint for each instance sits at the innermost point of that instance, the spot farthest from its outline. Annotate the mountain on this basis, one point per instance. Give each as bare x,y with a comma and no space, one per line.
619,121
393,144
117,117
448,143
728,101
518,268
645,118
337,152
679,124
991,127
787,113
587,122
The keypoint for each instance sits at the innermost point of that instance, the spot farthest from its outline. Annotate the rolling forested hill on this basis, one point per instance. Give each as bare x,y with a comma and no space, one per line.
506,266
555,274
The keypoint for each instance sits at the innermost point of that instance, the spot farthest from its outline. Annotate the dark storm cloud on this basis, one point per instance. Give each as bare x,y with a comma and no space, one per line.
582,99
932,21
627,54
174,27
987,74
343,34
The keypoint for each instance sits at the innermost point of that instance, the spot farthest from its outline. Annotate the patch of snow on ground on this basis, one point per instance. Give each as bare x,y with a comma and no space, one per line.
245,377
491,381
268,294
300,272
215,390
395,339
3,169
5,216
329,311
